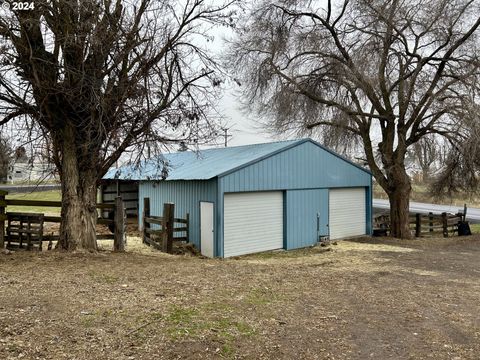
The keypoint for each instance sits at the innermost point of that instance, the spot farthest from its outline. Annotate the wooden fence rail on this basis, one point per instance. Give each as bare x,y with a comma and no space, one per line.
25,228
45,203
162,238
431,224
425,224
117,224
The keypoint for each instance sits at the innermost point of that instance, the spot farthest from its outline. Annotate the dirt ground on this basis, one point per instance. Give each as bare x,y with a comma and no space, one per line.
364,299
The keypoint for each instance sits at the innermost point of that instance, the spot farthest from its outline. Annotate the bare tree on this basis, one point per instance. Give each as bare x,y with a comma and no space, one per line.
96,79
6,154
383,74
428,154
460,168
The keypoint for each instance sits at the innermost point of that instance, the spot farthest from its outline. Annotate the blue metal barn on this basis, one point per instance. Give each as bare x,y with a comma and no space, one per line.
260,197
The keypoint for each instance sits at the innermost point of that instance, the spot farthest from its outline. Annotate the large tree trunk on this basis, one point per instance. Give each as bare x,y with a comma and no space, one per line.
399,197
79,214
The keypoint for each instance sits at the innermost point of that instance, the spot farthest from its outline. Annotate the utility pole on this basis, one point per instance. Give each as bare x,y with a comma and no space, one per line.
226,136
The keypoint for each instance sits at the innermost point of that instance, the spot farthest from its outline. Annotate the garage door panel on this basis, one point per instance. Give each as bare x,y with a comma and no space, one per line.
347,212
253,222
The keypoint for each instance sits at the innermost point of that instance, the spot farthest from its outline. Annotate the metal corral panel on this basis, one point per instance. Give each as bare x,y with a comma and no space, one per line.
305,166
253,222
186,195
307,217
347,213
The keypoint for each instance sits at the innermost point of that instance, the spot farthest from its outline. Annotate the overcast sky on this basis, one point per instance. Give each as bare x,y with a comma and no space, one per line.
244,128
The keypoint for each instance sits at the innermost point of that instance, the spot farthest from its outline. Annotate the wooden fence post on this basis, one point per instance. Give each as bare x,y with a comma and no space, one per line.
188,228
418,224
167,227
125,225
430,218
445,224
145,214
3,204
119,239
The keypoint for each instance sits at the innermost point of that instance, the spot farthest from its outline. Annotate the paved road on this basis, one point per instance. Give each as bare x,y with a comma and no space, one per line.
28,188
473,214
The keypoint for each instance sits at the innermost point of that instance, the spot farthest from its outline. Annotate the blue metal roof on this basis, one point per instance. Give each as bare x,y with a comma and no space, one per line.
201,165
204,164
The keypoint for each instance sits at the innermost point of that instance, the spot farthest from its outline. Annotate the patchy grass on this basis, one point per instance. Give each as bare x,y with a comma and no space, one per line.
475,228
374,298
51,195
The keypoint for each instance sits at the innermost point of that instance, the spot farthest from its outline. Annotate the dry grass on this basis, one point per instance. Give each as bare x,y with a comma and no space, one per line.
421,193
371,298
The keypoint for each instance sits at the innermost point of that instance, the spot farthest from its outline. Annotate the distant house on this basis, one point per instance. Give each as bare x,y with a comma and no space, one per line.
25,171
247,199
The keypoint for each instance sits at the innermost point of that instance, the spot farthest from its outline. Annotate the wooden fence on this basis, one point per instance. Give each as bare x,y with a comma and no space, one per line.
162,238
118,222
431,224
424,224
25,228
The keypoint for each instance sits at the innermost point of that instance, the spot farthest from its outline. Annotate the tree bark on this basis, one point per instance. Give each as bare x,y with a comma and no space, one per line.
399,198
79,214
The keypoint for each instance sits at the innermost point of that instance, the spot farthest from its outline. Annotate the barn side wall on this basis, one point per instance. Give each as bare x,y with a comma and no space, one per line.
128,190
303,167
186,195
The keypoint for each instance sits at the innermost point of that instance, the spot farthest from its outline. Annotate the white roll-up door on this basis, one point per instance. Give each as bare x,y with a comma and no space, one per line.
253,222
347,212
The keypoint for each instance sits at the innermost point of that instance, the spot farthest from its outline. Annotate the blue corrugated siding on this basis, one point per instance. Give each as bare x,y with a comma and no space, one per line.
186,195
302,207
369,212
305,171
219,219
305,166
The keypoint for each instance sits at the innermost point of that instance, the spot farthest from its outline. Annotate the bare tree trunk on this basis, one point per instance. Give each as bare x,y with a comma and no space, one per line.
79,214
399,197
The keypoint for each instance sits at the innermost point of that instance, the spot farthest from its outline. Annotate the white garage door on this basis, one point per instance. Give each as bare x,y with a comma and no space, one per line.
253,222
347,212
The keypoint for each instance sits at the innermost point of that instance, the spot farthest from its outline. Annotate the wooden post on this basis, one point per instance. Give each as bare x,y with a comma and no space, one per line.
3,204
40,236
418,224
188,228
167,227
125,225
29,235
430,218
145,214
8,231
445,224
119,239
